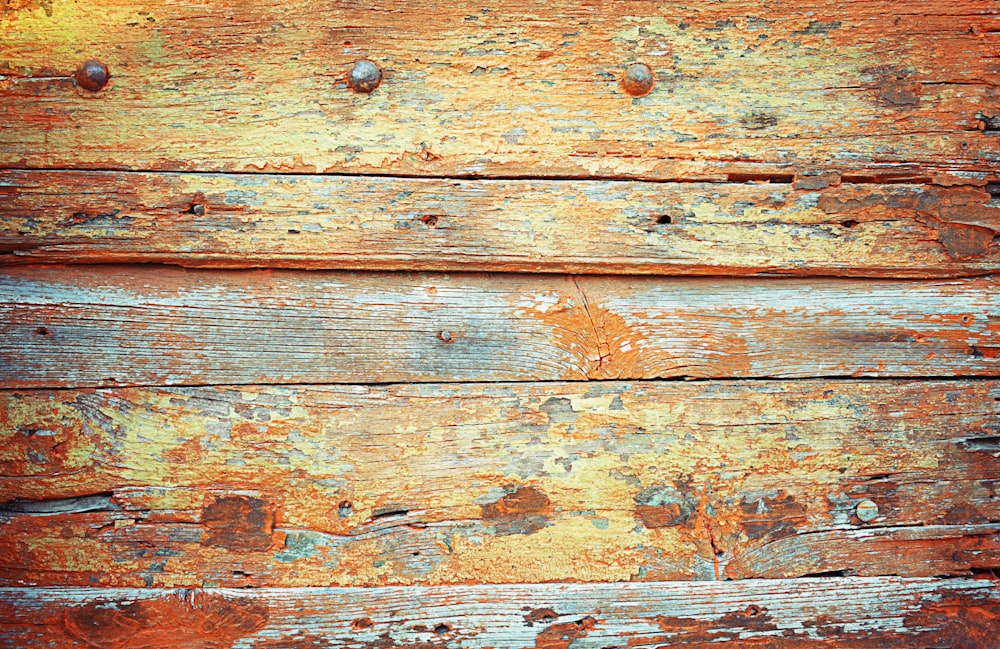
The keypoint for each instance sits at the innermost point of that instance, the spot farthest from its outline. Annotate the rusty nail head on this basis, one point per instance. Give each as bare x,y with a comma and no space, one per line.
364,77
638,79
92,75
867,511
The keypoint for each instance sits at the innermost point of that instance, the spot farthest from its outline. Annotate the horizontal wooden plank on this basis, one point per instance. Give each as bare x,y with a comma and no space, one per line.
107,325
508,88
799,614
815,226
351,485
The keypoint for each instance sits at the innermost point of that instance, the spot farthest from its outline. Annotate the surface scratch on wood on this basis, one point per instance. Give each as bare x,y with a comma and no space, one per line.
508,88
817,225
801,614
352,485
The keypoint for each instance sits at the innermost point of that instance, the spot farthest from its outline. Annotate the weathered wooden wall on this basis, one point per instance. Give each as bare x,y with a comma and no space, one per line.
499,355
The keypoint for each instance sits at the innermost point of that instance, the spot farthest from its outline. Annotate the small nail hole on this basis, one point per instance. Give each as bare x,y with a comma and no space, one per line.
442,629
848,223
344,508
752,611
430,220
445,336
197,209
42,331
664,219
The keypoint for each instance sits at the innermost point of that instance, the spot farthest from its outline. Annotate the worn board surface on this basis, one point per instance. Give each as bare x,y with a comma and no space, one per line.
507,88
107,325
352,485
815,225
887,613
373,447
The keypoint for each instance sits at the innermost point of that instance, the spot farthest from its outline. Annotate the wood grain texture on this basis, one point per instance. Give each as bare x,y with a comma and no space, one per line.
433,484
108,325
508,88
800,614
815,226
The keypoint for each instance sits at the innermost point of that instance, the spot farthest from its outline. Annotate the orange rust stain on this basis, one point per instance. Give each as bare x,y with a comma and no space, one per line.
239,523
189,452
620,348
197,621
10,8
541,616
523,511
982,351
959,621
561,636
963,241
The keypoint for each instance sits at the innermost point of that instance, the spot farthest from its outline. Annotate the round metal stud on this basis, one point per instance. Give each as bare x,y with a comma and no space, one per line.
364,77
638,79
867,511
92,75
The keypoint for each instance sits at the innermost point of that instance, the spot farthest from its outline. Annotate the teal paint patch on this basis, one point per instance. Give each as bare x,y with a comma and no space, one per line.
300,545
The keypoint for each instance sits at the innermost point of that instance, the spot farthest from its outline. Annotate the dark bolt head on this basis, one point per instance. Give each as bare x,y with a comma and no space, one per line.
92,75
364,77
638,79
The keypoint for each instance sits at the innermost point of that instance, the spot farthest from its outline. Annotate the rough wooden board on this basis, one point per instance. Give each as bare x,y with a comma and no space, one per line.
507,88
107,325
815,226
352,485
799,614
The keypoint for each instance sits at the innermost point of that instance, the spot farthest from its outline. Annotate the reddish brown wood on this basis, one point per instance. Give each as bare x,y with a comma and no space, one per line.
353,485
815,225
508,88
887,613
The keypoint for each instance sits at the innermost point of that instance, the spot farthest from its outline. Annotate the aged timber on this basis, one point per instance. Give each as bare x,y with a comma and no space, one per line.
121,325
507,88
353,485
887,613
814,224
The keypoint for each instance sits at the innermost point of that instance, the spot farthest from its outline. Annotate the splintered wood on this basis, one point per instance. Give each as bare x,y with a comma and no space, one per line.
352,485
561,325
